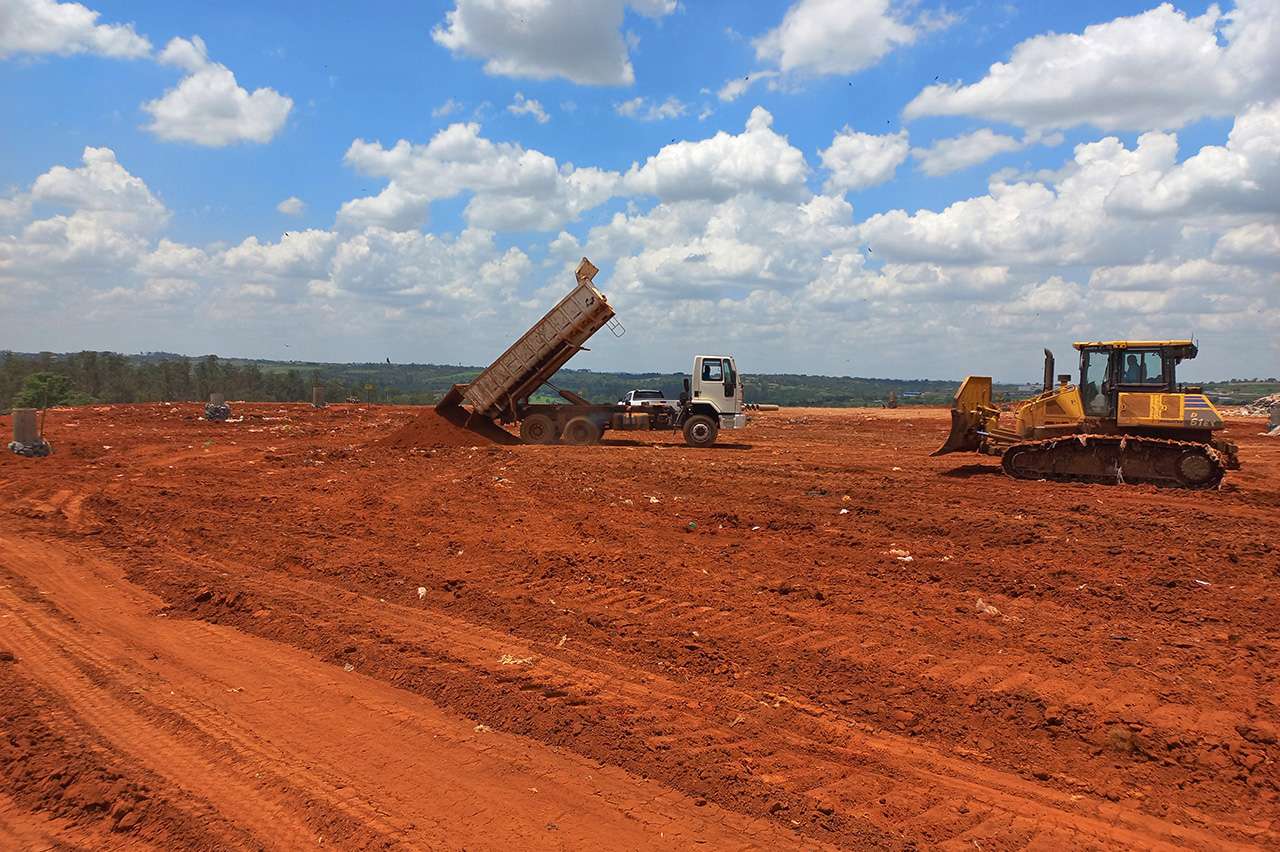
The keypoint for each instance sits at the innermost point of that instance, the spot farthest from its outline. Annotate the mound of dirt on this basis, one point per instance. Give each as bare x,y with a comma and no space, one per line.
455,427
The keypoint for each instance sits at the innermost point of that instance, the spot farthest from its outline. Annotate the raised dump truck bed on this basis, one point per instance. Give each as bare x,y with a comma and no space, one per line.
535,358
712,401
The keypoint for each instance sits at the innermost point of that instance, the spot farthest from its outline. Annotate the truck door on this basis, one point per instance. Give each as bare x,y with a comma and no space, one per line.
716,382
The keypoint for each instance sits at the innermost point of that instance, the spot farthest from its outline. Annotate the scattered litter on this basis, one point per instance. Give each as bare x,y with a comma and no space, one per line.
897,468
753,529
897,551
844,511
483,729
1204,582
905,558
508,660
654,500
348,668
422,592
983,606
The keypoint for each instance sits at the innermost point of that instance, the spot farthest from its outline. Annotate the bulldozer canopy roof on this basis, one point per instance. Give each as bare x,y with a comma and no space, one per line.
1178,348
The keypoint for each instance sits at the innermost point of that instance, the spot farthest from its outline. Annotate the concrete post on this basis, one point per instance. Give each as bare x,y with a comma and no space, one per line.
26,430
218,398
1275,415
317,397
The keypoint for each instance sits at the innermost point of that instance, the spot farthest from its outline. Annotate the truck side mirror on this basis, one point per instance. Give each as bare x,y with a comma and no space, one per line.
728,388
686,385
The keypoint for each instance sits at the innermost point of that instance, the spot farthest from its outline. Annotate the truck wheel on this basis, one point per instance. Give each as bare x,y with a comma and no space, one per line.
700,431
538,429
581,432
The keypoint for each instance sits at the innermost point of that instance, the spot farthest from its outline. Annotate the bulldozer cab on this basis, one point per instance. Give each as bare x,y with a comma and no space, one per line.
1108,369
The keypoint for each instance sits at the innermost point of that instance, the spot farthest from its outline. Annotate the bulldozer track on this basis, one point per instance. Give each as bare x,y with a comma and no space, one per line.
1116,459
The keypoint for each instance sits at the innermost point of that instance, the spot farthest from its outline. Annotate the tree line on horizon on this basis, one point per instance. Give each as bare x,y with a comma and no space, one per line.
49,379
88,377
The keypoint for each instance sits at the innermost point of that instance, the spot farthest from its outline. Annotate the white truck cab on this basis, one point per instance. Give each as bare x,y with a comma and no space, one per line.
716,390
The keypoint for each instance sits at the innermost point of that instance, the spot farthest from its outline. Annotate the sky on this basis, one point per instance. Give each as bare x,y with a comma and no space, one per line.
878,188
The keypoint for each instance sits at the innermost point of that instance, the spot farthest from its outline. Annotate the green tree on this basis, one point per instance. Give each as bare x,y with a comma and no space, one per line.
209,377
46,390
119,379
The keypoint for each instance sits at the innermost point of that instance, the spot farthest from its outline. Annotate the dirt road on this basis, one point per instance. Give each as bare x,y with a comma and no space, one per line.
369,629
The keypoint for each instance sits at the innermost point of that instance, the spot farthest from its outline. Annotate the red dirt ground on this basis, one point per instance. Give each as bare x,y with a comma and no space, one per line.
366,629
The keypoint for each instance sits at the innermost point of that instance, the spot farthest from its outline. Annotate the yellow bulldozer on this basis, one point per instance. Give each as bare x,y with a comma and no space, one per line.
1127,421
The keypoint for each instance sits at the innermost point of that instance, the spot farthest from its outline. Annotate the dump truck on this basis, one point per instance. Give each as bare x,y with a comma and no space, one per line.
712,399
1128,420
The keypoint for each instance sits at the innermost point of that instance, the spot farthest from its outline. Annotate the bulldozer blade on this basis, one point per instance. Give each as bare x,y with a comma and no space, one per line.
452,399
968,416
964,436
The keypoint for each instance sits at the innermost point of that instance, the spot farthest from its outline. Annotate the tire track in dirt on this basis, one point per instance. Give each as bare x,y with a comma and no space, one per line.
797,745
235,765
67,662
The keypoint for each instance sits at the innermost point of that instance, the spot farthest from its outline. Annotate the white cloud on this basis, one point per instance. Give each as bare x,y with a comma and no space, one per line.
819,37
514,188
292,206
644,110
579,40
208,107
113,218
758,160
859,160
43,26
521,106
952,155
449,107
705,247
738,86
1252,244
1242,177
103,191
1157,69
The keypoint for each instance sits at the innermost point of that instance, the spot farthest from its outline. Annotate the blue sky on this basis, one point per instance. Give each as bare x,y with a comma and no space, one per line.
840,187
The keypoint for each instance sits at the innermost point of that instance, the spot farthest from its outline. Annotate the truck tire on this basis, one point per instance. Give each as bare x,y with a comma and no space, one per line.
538,429
581,432
700,431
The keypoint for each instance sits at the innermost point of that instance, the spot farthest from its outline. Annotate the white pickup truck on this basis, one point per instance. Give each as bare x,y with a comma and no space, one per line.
642,396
